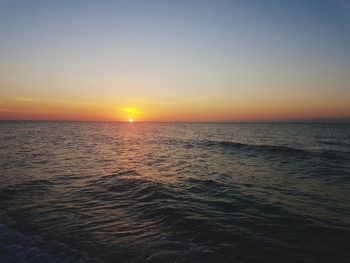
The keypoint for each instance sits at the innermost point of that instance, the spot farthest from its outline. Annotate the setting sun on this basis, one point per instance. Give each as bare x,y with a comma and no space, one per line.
129,114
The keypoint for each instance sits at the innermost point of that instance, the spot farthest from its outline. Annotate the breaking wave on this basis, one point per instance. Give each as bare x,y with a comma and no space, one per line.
278,150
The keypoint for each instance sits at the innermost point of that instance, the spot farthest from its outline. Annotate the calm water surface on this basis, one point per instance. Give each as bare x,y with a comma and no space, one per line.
109,192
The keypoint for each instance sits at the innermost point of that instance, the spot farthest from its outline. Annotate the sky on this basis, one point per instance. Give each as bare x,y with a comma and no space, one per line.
174,60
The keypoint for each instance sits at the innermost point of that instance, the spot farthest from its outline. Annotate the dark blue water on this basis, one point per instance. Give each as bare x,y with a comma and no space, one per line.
81,192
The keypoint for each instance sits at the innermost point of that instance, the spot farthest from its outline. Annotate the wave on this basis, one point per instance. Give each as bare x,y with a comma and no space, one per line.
279,150
18,247
257,147
338,143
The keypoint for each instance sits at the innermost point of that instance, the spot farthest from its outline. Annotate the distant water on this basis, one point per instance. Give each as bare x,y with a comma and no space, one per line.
109,192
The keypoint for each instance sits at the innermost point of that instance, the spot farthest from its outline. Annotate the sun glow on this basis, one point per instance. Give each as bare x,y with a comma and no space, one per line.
129,114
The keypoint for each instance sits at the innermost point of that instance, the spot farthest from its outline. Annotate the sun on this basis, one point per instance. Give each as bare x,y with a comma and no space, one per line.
129,114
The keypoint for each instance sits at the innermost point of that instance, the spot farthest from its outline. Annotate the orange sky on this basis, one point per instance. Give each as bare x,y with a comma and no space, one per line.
21,108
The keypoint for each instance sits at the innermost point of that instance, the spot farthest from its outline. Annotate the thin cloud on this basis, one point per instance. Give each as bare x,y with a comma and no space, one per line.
184,101
130,110
169,100
80,103
22,99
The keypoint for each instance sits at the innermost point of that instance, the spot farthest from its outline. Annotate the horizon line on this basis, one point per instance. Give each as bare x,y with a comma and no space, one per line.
318,120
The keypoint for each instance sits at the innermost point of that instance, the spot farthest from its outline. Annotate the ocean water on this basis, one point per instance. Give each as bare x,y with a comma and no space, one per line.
143,192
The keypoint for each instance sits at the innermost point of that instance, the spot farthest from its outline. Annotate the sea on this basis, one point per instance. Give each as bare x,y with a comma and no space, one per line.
174,192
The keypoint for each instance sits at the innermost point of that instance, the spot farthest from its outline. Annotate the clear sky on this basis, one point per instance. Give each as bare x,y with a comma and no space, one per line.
174,60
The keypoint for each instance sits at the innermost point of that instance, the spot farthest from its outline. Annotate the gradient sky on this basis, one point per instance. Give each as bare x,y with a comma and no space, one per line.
174,60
